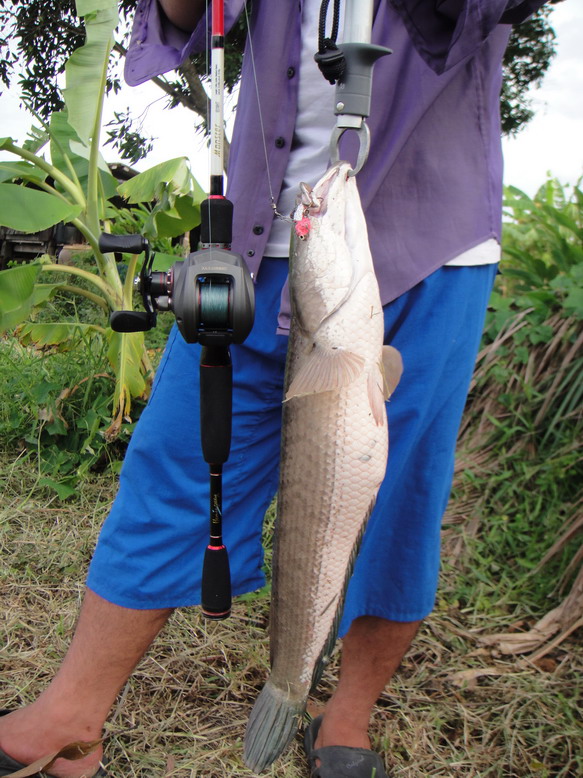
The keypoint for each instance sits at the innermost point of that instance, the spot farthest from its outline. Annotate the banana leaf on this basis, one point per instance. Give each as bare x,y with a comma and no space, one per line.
43,292
86,68
28,210
20,170
125,355
16,294
173,176
177,193
37,138
67,148
62,334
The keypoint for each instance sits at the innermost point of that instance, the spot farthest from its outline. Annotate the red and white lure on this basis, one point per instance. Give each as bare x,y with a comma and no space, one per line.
301,217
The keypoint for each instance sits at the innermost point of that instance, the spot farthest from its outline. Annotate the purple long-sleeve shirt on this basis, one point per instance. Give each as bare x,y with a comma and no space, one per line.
432,185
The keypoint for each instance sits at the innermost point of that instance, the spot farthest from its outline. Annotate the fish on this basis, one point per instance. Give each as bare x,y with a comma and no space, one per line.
334,448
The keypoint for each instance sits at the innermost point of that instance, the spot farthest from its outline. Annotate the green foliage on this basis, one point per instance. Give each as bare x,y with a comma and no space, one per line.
27,210
543,244
58,378
56,408
526,60
177,194
16,294
36,40
77,188
522,428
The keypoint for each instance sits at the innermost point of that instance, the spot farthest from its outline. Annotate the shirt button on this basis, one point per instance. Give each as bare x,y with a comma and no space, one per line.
250,253
291,72
258,229
280,142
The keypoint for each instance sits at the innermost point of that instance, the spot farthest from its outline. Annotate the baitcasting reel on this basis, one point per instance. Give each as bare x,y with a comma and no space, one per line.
210,293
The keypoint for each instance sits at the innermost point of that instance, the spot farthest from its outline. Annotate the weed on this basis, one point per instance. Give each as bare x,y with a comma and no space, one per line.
520,468
55,410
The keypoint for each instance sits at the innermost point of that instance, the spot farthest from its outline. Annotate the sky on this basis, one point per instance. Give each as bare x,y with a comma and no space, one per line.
552,143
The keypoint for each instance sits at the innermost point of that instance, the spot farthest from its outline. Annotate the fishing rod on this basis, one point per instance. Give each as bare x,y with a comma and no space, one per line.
212,297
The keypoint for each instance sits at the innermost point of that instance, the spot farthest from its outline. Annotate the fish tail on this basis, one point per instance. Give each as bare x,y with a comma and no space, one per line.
273,723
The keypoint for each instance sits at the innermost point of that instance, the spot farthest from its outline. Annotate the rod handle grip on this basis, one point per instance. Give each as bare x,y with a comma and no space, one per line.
216,221
216,403
216,583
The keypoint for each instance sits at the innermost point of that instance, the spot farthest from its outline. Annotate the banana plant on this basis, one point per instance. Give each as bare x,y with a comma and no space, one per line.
74,185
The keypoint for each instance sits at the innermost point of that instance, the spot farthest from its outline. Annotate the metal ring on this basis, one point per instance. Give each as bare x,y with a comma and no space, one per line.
363,149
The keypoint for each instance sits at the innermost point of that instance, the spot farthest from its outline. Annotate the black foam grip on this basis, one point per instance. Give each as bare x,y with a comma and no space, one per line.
130,321
216,221
131,244
216,391
216,583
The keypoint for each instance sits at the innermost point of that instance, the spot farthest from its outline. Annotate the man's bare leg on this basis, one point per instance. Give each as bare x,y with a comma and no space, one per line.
372,650
108,643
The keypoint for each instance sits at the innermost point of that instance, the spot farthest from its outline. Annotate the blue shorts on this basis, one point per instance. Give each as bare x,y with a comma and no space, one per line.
149,553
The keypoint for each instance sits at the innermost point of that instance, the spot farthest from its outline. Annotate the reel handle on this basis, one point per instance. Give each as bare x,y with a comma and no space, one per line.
129,244
132,321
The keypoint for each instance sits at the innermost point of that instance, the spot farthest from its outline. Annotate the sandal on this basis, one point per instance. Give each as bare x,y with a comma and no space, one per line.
340,761
9,766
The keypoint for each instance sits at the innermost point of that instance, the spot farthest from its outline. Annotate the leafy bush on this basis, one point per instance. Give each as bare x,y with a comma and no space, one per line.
521,468
55,409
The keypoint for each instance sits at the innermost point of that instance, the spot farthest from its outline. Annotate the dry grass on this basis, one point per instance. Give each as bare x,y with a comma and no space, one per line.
454,709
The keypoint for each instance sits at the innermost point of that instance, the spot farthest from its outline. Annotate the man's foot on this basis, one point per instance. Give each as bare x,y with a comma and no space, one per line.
18,751
340,761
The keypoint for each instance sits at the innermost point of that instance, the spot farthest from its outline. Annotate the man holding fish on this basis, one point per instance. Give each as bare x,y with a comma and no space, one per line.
431,195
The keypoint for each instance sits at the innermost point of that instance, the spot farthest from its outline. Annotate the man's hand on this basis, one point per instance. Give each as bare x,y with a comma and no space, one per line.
184,14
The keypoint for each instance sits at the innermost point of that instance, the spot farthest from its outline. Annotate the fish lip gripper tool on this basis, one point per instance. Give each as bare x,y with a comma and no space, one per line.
350,66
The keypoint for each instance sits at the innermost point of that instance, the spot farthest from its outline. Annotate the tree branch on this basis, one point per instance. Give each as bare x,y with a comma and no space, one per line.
171,91
197,101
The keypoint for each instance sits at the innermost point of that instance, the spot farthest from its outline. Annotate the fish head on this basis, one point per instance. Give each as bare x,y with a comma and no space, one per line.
323,268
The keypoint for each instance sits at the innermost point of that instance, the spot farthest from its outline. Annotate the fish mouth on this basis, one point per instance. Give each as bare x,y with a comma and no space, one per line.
323,187
314,202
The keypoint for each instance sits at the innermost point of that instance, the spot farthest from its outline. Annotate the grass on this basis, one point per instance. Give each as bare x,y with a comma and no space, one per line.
455,708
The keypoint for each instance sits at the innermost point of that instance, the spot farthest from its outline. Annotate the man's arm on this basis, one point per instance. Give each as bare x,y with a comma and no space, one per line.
184,14
445,32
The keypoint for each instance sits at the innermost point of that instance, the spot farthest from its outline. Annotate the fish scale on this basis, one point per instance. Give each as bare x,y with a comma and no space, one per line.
333,453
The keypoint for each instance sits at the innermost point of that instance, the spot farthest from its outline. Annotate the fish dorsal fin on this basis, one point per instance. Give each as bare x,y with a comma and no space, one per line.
324,370
392,368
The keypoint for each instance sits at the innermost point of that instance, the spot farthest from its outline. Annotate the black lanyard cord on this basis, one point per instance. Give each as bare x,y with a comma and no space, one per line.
330,58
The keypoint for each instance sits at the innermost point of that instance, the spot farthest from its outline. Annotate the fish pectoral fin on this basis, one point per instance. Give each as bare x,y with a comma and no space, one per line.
324,370
392,369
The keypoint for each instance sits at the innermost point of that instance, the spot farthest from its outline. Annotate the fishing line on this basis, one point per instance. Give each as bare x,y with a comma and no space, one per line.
207,66
261,123
214,301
